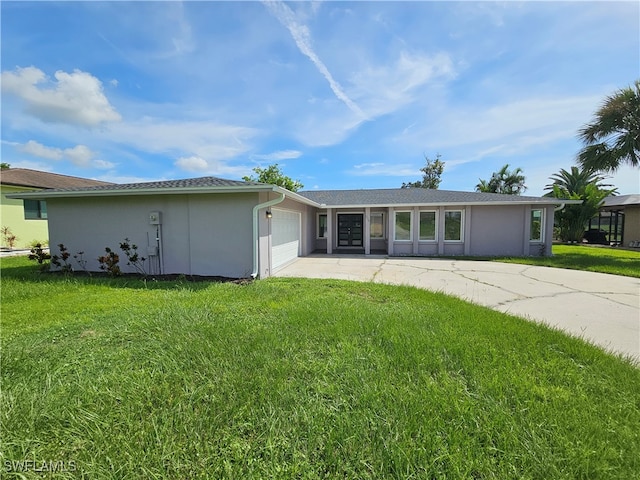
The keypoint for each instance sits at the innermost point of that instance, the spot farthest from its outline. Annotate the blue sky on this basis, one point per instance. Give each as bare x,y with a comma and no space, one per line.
341,95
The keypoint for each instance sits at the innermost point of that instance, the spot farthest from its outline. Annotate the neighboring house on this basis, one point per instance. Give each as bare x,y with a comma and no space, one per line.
620,218
27,220
210,226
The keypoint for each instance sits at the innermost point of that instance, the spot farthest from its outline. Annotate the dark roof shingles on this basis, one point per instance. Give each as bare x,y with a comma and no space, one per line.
410,196
24,177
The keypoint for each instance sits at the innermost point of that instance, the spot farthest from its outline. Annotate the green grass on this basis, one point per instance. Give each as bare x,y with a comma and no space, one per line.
590,258
291,378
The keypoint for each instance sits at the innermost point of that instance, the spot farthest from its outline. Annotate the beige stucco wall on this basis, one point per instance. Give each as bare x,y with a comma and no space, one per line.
12,216
631,225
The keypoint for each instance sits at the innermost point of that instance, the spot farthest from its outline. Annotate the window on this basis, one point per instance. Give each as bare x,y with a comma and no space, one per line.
427,225
377,225
322,225
535,234
402,230
453,226
35,209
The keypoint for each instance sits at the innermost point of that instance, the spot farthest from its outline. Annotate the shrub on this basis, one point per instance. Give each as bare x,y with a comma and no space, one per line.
62,261
133,258
109,262
39,254
9,237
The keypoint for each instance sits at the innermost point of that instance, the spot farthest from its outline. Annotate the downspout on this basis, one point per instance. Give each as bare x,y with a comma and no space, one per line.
557,209
256,236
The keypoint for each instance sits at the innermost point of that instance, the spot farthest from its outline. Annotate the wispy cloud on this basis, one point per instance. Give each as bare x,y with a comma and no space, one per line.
279,155
384,169
302,37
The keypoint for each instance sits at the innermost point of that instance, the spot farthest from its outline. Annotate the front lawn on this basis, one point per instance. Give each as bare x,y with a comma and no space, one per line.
587,257
294,378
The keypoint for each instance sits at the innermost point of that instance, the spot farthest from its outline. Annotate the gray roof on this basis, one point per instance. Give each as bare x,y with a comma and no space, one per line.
318,198
622,200
186,183
414,196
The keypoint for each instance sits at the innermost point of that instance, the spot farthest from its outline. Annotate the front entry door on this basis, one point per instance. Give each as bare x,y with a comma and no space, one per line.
350,229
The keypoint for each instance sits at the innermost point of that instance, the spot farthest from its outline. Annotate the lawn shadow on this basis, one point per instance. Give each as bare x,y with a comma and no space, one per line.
32,274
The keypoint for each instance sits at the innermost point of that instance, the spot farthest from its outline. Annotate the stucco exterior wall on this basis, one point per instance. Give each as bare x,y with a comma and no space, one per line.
631,225
27,231
199,235
497,230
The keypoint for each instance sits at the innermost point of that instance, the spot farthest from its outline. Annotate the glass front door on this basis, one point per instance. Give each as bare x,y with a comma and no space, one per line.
350,229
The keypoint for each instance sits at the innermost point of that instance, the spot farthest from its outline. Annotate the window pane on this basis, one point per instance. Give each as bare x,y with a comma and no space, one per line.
377,226
427,225
43,209
31,209
453,225
403,226
536,226
322,226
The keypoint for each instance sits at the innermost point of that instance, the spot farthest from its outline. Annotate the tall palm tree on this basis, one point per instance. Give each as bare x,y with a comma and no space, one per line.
575,181
504,181
613,138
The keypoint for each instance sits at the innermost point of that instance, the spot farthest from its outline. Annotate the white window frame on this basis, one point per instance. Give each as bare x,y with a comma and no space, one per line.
541,238
326,227
384,229
444,224
435,219
395,216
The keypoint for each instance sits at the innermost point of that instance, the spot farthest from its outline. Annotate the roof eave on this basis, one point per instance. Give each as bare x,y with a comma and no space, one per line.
450,204
44,194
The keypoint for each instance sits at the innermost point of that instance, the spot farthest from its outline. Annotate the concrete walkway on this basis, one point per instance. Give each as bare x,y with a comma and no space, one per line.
603,309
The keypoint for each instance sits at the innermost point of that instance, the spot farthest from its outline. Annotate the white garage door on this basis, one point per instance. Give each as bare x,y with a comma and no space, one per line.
285,237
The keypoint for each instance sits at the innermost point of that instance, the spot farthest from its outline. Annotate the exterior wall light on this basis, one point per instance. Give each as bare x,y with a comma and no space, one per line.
269,214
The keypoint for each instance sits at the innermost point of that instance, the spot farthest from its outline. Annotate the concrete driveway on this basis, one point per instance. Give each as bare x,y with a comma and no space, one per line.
603,309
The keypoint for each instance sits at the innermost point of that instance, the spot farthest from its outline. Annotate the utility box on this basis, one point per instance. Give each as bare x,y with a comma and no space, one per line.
155,218
152,251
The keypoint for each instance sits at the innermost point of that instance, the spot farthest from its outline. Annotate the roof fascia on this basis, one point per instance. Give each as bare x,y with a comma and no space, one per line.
451,204
44,194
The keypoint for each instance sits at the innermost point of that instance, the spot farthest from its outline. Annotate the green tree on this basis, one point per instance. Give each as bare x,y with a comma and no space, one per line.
274,176
504,181
578,184
613,138
432,172
4,166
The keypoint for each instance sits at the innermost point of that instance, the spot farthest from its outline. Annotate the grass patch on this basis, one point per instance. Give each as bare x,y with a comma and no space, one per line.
589,258
288,378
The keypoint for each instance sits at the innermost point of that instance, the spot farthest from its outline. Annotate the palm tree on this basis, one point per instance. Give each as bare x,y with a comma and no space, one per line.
504,181
578,184
614,136
575,181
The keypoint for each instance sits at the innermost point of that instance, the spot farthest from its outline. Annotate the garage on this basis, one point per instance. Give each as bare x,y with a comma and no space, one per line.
285,237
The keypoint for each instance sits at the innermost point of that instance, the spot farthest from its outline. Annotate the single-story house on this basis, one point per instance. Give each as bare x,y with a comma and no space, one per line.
216,227
619,218
26,220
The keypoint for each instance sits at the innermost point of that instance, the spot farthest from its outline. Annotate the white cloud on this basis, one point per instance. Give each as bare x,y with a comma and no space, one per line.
80,155
279,155
208,140
192,164
302,37
103,164
38,150
384,169
76,98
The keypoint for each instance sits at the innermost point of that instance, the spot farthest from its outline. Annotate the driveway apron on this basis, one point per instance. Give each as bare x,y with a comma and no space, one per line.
600,308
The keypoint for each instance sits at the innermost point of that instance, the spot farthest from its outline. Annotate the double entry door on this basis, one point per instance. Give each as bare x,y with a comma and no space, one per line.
350,229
